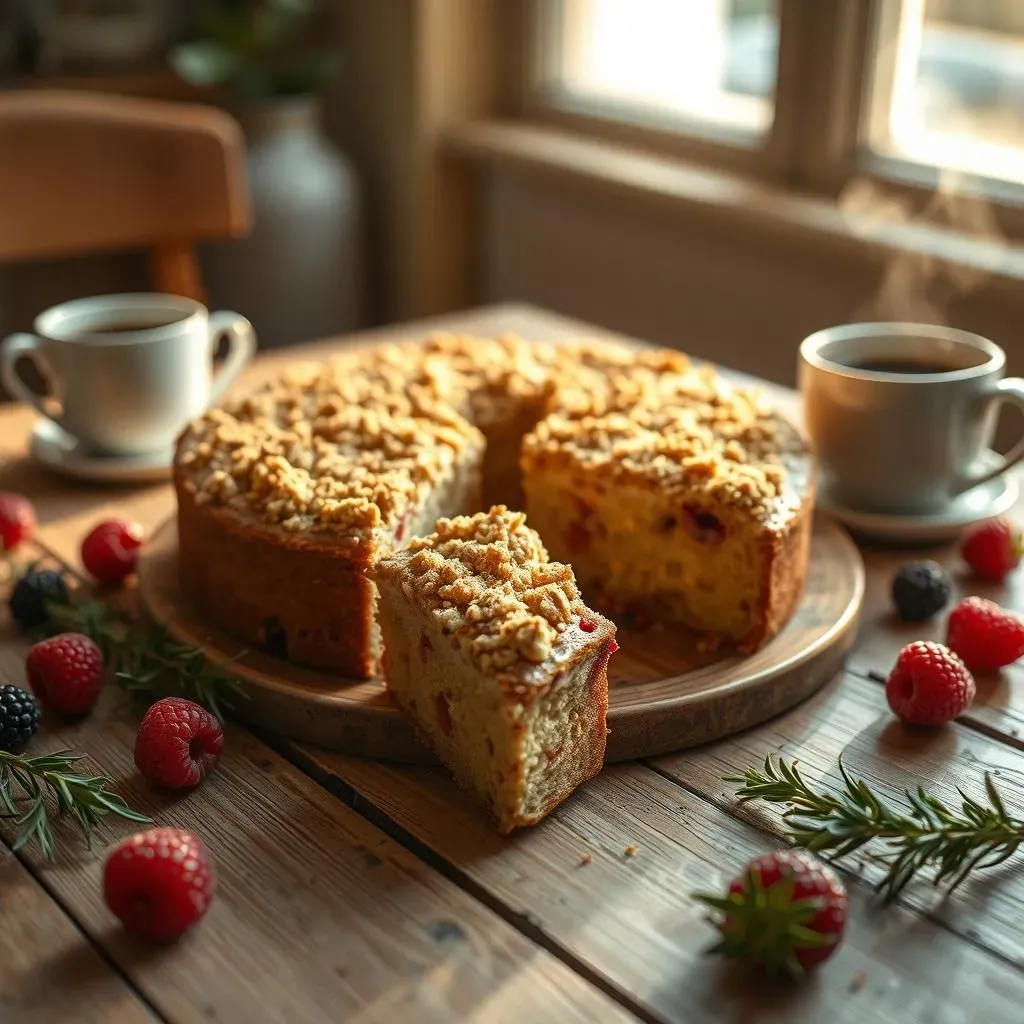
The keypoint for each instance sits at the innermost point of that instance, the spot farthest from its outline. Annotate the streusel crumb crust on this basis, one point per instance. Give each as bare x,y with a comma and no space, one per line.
488,580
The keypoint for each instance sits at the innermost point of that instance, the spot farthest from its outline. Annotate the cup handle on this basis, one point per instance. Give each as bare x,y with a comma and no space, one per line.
241,349
1009,389
18,346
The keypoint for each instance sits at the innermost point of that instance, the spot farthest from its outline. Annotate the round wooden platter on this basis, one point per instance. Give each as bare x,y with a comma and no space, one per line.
664,694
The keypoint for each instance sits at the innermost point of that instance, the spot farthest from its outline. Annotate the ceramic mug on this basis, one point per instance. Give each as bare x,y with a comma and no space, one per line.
127,372
901,416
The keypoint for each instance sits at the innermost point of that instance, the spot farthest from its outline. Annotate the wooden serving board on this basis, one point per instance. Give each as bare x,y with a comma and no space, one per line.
664,697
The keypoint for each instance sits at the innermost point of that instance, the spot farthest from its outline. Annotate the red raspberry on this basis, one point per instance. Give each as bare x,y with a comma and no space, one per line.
786,912
993,548
110,550
66,673
929,684
17,520
178,743
159,883
985,636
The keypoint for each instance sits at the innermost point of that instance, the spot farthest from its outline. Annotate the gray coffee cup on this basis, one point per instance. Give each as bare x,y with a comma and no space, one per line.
902,416
127,372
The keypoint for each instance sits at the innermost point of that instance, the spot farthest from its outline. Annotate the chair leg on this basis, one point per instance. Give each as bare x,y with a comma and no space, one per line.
174,268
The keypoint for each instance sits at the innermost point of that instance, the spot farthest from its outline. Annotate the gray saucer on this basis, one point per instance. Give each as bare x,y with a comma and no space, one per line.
985,501
65,454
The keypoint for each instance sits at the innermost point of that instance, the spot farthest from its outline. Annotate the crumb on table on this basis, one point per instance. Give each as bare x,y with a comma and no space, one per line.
858,981
585,859
631,850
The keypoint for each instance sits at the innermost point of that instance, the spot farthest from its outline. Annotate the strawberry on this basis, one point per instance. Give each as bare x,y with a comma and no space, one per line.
66,673
785,913
17,520
159,883
993,548
178,743
985,636
110,550
929,684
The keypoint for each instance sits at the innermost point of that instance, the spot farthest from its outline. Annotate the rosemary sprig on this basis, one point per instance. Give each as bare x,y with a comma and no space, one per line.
105,625
929,835
85,797
156,655
144,655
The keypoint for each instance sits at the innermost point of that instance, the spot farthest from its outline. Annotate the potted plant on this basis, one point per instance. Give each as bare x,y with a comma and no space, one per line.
298,274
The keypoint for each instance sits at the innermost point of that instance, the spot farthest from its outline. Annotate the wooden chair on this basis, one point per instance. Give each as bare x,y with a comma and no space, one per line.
84,173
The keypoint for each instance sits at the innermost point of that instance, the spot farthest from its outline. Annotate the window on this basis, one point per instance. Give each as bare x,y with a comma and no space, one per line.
709,61
816,92
948,85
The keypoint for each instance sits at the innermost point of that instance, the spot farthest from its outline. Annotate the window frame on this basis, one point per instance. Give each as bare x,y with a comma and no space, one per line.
817,142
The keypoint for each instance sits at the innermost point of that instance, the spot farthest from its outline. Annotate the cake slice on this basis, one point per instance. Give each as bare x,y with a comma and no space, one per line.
491,652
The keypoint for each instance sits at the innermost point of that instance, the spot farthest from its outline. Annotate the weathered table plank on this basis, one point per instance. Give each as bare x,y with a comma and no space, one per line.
632,918
318,913
48,971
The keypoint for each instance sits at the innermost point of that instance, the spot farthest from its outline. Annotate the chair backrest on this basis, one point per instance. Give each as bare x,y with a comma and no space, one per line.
84,172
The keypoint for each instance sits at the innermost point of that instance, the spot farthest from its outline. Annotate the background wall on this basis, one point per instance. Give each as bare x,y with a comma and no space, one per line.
721,288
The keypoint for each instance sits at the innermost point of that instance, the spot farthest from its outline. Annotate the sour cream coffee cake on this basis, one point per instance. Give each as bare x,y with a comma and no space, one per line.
673,496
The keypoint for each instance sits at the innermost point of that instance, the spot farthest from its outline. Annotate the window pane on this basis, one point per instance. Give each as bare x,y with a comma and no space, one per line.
711,61
949,85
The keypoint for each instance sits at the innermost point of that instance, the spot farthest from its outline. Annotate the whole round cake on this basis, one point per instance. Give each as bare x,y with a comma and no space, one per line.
675,496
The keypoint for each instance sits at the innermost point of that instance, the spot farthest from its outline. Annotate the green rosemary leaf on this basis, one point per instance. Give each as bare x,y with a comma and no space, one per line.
994,798
86,798
933,836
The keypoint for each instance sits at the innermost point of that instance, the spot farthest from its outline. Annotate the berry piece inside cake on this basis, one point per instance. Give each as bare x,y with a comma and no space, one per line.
502,668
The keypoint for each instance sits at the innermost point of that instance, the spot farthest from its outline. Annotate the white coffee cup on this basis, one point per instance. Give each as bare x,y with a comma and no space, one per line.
902,416
127,372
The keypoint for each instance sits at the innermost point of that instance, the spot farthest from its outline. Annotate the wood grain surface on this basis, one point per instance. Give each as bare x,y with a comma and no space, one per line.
302,881
662,698
633,919
588,916
48,970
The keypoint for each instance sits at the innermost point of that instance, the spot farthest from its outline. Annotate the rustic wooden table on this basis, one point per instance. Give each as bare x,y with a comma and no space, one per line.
351,890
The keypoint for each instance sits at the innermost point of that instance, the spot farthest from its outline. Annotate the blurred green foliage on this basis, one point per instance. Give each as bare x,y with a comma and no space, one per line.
255,49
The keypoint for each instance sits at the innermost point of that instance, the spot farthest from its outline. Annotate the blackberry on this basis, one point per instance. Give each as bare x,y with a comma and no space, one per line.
19,718
920,590
32,593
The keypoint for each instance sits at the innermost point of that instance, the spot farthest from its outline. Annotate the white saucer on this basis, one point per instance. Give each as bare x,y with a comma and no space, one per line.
982,502
61,452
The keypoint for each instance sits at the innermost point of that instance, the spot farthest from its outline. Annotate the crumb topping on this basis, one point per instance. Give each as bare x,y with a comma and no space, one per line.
349,444
325,448
484,377
678,426
489,581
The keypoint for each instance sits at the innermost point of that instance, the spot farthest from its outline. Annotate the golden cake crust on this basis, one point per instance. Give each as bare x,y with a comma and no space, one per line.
324,449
